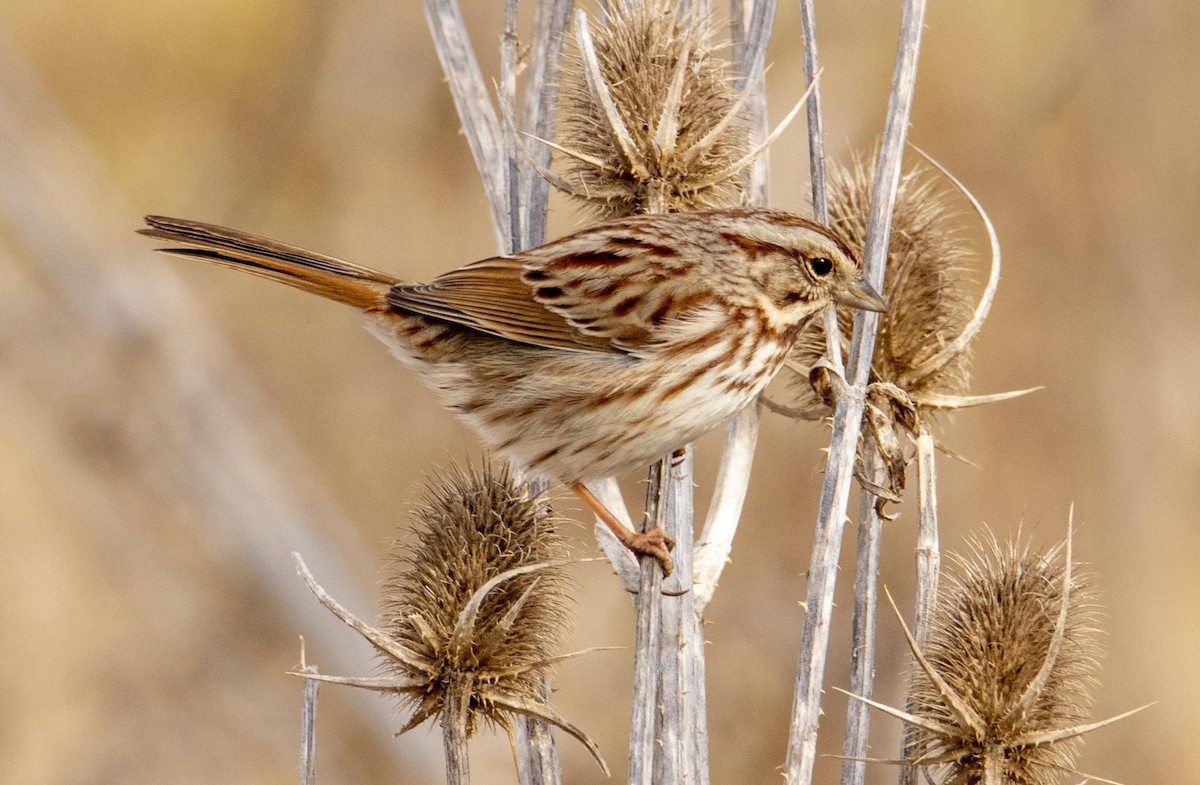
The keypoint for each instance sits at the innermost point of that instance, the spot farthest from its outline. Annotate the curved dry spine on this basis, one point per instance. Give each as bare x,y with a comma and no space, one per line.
960,343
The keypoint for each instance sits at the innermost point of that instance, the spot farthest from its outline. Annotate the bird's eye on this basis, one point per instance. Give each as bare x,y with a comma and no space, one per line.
821,266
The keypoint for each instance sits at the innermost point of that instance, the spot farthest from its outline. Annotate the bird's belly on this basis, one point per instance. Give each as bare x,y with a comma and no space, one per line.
620,419
583,415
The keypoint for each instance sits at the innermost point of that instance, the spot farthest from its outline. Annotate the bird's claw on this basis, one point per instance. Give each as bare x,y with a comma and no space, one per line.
653,543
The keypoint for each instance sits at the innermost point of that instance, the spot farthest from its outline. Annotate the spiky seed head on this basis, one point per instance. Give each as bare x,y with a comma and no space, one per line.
991,633
926,286
683,153
472,526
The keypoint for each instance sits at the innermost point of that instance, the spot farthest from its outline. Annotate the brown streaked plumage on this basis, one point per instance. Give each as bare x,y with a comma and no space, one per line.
596,353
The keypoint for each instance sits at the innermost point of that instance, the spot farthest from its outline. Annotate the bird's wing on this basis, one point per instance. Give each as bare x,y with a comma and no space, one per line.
568,294
490,296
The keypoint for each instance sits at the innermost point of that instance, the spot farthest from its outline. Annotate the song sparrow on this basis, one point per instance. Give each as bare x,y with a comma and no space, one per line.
596,353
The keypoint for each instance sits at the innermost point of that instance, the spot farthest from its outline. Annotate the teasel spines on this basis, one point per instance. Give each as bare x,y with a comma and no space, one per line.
1001,687
649,118
1014,635
446,598
472,616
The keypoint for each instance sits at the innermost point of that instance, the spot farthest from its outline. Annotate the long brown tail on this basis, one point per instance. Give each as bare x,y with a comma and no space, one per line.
347,283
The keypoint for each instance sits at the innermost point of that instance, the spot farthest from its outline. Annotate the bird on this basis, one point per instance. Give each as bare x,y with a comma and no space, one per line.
593,354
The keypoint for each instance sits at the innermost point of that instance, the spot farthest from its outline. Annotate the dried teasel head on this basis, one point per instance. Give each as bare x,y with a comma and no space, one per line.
928,269
473,527
1001,686
472,616
996,640
649,118
922,352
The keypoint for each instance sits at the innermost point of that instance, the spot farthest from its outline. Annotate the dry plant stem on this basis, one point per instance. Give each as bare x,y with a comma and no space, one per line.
308,724
537,754
508,100
682,736
725,510
866,573
684,636
847,421
750,56
862,654
737,27
674,755
454,735
929,560
517,195
816,137
642,737
929,563
816,160
475,109
679,754
551,20
663,744
696,724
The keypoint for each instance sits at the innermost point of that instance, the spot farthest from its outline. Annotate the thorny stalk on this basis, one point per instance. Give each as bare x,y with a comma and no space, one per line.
507,95
750,57
682,738
870,527
862,653
928,568
643,723
550,22
928,556
537,754
682,755
537,759
654,725
847,422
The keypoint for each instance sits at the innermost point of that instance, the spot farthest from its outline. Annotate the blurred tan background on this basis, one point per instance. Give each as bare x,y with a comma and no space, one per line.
142,640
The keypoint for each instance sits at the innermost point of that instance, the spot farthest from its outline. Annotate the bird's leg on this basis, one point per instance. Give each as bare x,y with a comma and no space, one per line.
652,543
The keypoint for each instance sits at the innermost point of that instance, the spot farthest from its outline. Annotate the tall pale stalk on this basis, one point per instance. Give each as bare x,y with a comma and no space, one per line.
847,420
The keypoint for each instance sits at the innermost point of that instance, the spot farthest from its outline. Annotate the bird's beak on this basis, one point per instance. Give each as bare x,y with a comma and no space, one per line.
861,294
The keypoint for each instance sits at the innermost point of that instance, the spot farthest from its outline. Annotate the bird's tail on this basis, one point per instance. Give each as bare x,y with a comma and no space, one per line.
341,281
